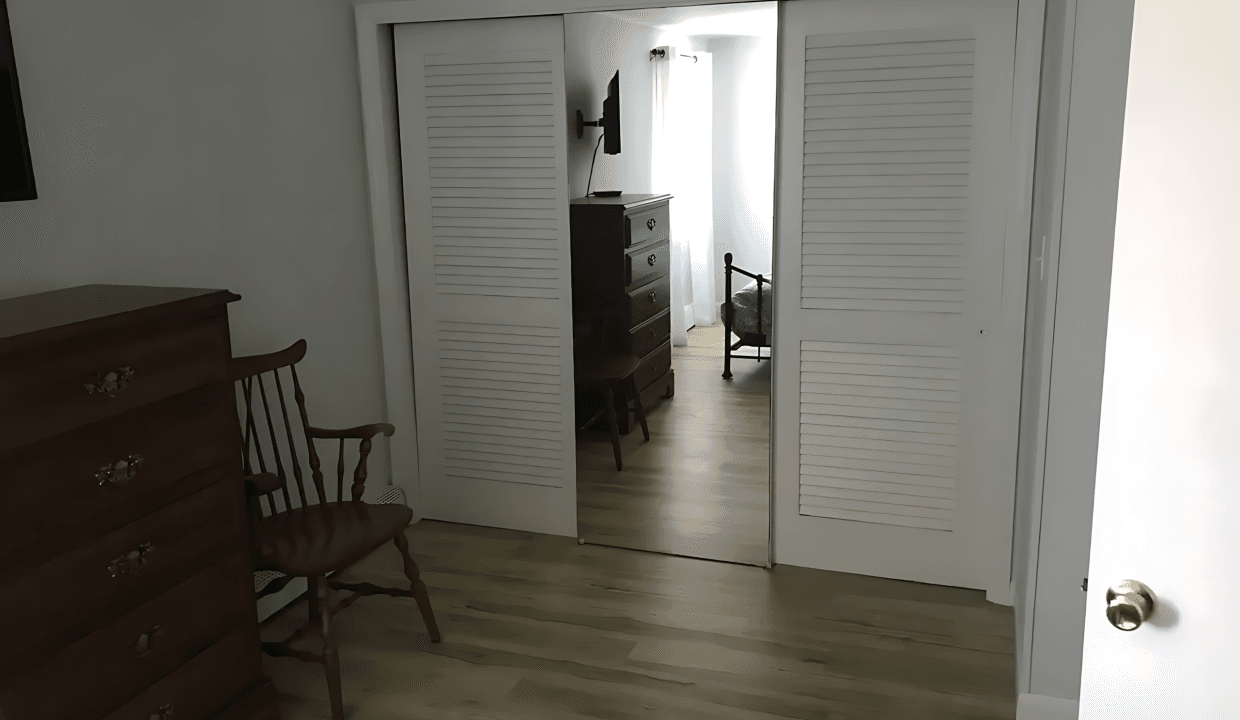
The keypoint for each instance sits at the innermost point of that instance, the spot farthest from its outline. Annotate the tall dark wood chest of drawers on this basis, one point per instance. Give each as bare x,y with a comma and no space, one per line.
620,258
126,587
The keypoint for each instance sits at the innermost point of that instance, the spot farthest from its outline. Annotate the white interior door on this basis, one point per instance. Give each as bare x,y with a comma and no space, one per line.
1167,496
484,151
900,293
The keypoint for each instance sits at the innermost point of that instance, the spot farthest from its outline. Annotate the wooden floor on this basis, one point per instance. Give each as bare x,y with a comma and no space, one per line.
537,627
701,485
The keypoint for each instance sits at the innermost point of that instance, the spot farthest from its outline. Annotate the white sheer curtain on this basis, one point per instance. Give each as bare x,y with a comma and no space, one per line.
681,166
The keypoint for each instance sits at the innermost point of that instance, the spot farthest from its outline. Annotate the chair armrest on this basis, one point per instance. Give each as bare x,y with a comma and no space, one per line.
262,483
361,432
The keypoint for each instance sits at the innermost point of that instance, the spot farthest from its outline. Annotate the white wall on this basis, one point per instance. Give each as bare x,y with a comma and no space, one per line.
595,46
207,144
744,151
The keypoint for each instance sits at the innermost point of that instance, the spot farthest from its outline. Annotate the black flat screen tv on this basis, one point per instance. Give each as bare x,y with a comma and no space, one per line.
16,169
611,117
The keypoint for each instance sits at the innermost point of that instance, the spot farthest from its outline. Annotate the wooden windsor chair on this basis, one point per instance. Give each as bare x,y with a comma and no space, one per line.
598,368
300,533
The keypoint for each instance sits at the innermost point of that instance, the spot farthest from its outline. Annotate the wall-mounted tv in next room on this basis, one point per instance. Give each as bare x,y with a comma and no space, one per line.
16,170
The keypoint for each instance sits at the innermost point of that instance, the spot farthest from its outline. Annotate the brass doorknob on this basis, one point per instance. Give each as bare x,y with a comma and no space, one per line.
1129,604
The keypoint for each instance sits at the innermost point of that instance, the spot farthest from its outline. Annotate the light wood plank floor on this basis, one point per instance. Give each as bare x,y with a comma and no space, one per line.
700,486
537,627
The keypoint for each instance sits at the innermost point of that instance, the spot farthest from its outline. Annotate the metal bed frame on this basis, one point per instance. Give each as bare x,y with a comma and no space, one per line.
755,340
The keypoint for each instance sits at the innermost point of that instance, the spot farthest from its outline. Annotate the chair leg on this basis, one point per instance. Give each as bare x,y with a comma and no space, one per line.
331,659
417,587
615,427
641,411
312,600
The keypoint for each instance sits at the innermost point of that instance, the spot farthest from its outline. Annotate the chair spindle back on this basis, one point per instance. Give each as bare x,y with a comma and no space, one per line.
270,440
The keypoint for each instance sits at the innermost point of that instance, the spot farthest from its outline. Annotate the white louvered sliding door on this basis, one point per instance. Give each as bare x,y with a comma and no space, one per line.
900,305
484,163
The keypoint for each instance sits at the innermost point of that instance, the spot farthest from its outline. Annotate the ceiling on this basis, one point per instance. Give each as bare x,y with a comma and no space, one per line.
745,18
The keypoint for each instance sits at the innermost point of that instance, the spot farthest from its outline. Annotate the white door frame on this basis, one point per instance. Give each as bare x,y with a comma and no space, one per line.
377,76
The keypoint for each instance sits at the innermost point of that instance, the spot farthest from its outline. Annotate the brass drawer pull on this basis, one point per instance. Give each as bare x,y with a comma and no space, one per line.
652,297
654,332
130,561
652,258
110,383
120,472
650,224
145,640
162,713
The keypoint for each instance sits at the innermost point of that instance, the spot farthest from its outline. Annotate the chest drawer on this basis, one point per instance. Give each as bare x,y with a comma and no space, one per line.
653,366
116,572
102,476
646,264
121,658
646,226
201,687
83,381
651,334
647,301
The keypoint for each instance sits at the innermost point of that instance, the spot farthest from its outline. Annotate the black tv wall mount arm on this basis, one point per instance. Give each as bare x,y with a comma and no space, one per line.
582,123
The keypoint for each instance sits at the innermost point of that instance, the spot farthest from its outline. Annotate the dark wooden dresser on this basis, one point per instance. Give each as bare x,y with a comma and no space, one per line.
126,587
621,273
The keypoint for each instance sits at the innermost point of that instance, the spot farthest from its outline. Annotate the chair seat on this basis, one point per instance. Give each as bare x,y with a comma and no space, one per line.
614,368
318,539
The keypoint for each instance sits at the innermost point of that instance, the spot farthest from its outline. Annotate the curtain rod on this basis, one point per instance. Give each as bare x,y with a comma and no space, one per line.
661,53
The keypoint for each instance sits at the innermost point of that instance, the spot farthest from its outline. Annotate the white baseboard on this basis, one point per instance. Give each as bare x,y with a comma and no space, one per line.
1041,707
271,604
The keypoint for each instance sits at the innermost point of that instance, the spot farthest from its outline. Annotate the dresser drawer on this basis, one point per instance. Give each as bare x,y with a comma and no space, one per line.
643,227
116,572
203,686
646,264
651,334
67,385
83,482
653,366
647,301
120,659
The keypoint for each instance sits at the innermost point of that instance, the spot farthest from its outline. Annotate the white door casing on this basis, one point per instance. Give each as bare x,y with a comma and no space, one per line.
900,305
1167,491
484,162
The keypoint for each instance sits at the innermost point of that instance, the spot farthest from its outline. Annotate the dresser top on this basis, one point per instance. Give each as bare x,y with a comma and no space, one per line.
59,313
623,201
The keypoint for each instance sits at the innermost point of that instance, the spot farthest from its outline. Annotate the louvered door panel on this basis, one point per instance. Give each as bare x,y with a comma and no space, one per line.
484,148
897,246
503,409
492,121
899,319
878,433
